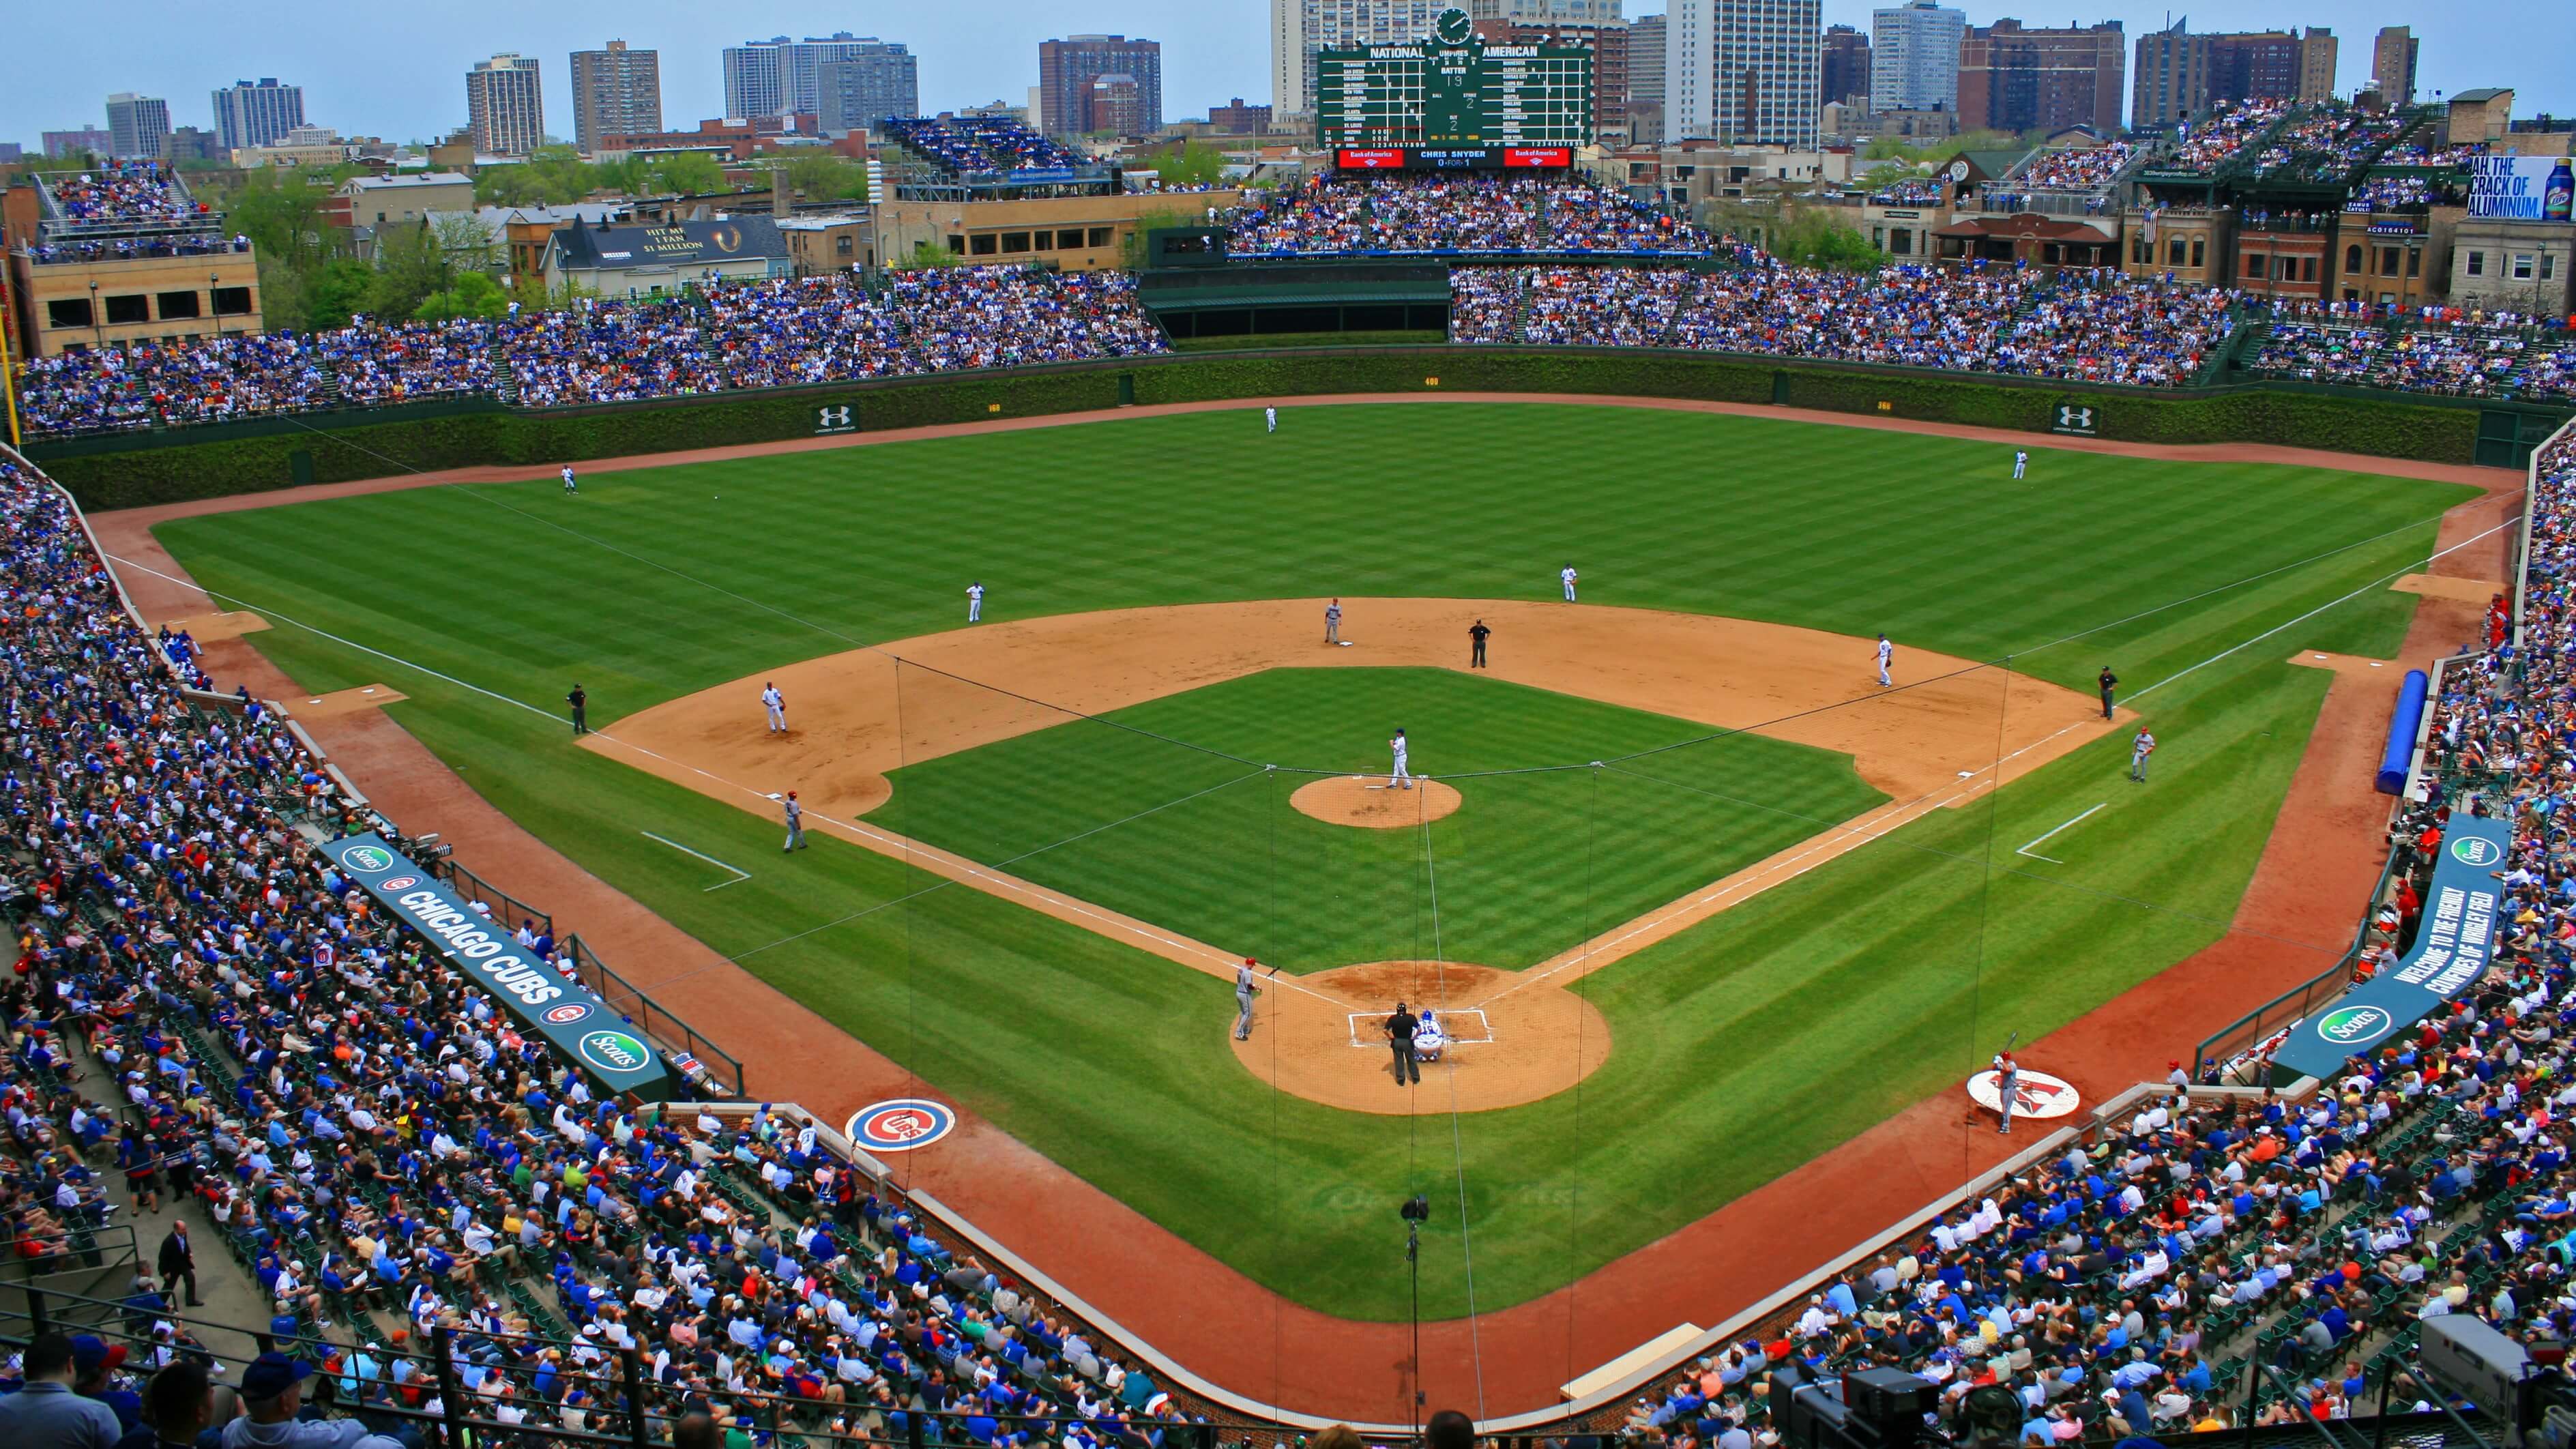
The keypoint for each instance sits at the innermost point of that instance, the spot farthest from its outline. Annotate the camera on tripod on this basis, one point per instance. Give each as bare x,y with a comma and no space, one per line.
1878,1408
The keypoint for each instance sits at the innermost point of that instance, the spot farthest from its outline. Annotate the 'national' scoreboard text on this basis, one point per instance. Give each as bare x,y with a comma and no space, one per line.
1452,90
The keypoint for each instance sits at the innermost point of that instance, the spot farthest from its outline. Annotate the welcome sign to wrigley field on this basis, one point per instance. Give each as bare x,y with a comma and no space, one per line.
545,1001
2452,950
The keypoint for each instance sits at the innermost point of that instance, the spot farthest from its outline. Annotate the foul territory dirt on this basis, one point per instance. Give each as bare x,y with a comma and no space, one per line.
2301,907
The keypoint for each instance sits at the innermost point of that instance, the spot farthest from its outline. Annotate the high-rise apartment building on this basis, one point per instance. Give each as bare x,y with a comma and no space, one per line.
2180,74
1299,28
254,115
505,105
858,92
1914,57
1577,12
2017,79
91,139
615,92
783,77
1844,66
1743,71
1068,97
2392,64
137,125
1646,79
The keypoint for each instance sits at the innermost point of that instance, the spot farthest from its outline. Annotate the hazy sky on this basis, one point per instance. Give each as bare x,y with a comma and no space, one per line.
398,70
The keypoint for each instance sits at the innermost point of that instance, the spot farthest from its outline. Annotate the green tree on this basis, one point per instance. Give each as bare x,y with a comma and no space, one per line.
410,265
688,173
1185,163
1812,238
822,176
1131,248
336,293
926,253
475,294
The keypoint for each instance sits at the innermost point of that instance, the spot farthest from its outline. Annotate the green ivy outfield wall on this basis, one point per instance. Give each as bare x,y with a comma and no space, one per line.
131,470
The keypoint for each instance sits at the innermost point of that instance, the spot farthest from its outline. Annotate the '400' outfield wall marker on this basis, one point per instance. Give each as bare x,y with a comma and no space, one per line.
902,1125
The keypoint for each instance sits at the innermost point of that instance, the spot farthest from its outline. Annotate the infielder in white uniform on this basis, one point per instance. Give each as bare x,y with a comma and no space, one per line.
776,704
974,602
2020,461
569,486
1886,656
1401,778
1565,576
1271,417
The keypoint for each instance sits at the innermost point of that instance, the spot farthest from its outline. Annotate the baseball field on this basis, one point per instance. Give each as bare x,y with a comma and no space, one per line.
1721,902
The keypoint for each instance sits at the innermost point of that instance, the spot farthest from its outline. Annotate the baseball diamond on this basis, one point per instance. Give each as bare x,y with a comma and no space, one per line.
1690,866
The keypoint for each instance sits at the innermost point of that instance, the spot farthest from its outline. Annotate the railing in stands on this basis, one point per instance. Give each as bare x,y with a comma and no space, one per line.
476,889
716,1066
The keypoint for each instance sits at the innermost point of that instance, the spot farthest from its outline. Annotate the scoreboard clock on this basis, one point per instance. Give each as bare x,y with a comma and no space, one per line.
1451,94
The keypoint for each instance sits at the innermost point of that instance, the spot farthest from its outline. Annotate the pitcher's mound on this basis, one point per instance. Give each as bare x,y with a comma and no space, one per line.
1512,1040
1370,802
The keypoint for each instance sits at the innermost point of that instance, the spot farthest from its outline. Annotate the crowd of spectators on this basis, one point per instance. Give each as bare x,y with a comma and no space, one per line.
204,1007
992,317
214,380
2082,168
1371,213
2325,144
377,363
2395,193
2215,142
123,193
2102,326
126,249
2463,360
2319,351
761,334
979,143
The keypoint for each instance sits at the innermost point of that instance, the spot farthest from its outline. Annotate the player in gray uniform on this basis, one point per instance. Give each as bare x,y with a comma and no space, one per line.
1244,991
795,823
1333,622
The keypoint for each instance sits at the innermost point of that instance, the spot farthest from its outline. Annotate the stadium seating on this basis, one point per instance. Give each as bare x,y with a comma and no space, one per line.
1454,214
382,1153
961,144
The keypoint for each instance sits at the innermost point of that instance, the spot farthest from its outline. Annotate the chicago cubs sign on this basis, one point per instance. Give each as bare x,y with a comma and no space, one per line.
902,1125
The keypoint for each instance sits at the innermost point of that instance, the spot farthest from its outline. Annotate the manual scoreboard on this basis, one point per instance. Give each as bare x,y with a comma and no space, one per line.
1451,93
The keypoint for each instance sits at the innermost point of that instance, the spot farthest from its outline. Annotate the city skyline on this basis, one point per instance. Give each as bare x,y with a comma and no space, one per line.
967,55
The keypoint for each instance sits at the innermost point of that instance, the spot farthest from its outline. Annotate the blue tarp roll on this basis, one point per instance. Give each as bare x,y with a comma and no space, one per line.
2401,732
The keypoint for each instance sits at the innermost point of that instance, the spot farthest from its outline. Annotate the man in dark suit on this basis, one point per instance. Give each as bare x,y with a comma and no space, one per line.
1399,1035
179,1261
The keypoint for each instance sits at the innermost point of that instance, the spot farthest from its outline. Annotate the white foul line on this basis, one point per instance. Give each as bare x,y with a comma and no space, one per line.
2078,820
739,874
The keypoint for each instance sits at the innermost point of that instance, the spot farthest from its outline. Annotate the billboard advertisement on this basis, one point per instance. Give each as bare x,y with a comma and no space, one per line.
2521,188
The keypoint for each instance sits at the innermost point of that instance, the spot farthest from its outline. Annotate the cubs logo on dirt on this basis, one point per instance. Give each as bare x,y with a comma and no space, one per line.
901,1125
568,1013
2035,1094
398,883
367,858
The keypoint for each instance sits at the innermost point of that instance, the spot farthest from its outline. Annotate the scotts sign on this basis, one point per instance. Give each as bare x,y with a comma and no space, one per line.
2453,947
545,1001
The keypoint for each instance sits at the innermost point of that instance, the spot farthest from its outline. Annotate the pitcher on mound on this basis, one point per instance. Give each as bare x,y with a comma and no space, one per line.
1400,777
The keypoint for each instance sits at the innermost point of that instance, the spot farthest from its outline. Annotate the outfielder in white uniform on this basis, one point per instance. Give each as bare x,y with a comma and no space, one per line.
1271,417
1401,778
2020,461
1886,656
974,602
776,704
569,486
1565,576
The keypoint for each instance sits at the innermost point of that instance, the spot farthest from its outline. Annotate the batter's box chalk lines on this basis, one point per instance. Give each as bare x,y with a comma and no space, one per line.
1379,1017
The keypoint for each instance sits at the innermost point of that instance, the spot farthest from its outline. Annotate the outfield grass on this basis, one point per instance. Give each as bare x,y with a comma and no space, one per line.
1530,865
1745,1045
